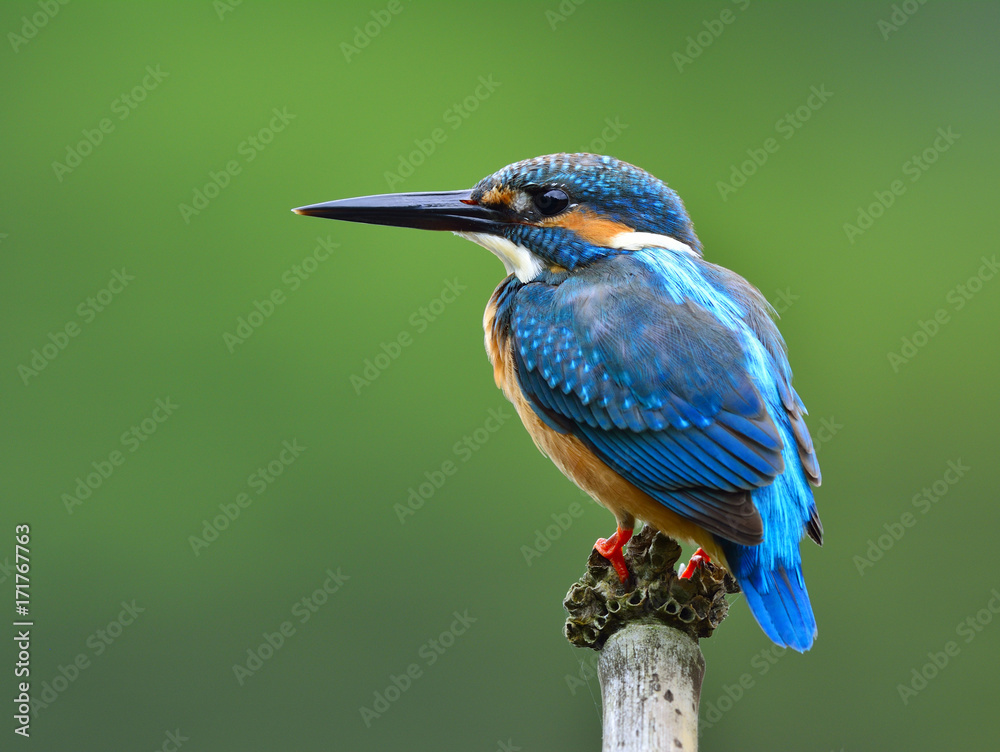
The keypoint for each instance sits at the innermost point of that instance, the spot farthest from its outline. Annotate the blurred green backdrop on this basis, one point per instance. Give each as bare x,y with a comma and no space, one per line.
152,152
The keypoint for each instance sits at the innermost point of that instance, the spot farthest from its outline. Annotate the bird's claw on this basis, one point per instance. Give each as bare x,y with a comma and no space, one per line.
611,549
697,559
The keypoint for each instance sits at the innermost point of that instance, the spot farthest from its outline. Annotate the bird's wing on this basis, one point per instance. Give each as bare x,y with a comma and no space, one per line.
659,391
795,411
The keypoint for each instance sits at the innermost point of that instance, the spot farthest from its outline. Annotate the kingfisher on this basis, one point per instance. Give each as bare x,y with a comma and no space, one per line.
655,380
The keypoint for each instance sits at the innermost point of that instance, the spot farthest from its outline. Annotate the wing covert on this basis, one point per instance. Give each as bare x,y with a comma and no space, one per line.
658,390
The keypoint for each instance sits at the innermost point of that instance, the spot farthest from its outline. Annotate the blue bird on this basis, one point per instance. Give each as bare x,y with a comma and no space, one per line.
655,380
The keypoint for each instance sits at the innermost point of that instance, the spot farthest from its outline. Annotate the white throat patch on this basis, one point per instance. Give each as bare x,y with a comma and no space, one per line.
636,241
516,258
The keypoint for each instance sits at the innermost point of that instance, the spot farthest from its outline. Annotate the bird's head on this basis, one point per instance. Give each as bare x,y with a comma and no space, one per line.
548,215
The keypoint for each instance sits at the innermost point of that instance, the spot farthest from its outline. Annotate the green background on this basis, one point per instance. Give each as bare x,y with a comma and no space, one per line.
560,74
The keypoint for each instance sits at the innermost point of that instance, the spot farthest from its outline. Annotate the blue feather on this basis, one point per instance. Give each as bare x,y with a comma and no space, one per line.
778,598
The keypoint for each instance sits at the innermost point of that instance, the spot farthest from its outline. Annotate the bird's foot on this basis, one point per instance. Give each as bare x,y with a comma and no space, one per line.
611,549
696,561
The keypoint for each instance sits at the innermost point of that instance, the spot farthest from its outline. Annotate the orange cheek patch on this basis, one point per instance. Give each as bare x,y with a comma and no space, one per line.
591,227
498,195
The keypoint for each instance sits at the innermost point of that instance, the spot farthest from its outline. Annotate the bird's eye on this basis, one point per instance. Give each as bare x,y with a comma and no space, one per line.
551,201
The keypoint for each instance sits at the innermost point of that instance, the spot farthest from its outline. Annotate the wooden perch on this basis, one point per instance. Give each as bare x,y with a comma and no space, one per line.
647,632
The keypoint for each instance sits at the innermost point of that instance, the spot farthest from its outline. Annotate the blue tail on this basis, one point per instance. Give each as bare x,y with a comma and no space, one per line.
778,598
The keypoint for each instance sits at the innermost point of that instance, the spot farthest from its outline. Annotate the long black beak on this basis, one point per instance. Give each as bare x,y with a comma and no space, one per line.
448,210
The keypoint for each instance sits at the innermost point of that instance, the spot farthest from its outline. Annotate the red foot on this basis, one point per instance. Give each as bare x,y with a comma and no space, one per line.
696,560
611,549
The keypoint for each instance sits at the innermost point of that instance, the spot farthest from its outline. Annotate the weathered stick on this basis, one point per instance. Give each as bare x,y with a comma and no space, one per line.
647,630
650,688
